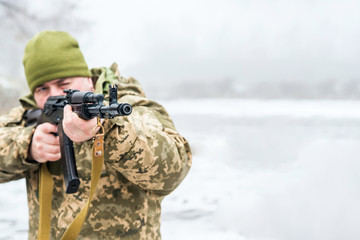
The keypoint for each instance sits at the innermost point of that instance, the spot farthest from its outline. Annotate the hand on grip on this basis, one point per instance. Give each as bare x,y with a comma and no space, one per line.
45,145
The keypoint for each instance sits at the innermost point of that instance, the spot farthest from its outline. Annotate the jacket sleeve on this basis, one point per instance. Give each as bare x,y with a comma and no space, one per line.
146,148
14,144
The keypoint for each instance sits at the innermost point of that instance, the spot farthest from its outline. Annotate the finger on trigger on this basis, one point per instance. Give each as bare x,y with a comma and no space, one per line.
48,128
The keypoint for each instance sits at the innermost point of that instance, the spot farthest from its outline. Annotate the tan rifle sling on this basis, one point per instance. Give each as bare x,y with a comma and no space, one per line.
46,188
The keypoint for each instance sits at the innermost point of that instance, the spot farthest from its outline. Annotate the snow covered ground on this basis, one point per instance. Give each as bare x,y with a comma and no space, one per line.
262,170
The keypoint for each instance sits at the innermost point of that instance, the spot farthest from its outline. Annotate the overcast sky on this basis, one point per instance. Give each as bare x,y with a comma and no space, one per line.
242,40
206,40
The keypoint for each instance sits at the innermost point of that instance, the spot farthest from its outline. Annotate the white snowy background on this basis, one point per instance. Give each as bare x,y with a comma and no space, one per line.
261,170
266,92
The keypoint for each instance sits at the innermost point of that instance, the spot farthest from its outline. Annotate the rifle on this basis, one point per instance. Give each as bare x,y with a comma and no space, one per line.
87,105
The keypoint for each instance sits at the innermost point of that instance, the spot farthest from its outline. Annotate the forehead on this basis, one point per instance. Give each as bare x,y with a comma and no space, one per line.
54,82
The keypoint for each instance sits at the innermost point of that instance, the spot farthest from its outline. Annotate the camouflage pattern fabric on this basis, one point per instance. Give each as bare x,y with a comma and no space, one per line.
145,159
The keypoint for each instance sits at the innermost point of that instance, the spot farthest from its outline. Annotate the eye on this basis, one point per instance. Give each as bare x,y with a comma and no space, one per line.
64,84
41,90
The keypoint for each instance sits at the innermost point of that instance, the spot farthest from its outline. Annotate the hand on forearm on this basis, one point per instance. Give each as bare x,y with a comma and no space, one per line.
77,129
44,145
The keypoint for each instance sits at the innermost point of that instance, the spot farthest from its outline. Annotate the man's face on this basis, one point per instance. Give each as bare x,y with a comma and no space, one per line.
57,86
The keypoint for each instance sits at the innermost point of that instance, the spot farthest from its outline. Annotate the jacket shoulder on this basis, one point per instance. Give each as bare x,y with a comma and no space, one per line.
13,117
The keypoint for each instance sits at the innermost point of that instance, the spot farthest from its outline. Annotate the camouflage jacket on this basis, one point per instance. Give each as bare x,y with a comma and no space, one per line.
145,159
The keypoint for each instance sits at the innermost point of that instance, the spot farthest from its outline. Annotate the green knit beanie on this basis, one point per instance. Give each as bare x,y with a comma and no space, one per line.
52,55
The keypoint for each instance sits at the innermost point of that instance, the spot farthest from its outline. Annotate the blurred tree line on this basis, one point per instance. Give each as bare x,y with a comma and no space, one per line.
19,21
231,88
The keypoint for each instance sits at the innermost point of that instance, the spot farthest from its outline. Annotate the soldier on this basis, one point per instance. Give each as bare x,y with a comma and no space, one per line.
145,158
